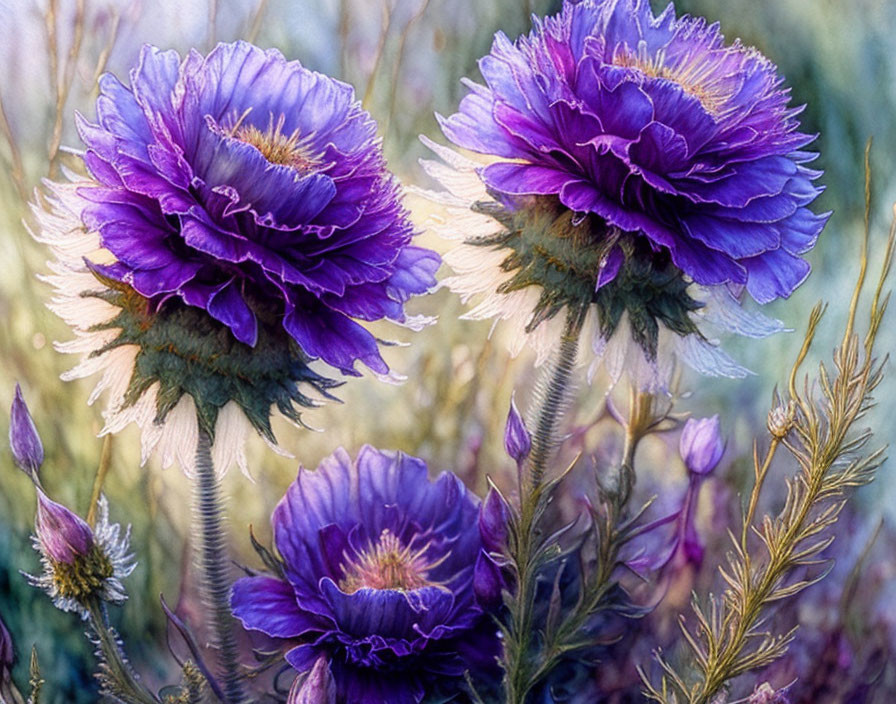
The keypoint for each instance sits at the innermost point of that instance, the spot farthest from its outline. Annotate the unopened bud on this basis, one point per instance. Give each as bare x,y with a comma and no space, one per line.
27,449
517,440
78,567
64,536
780,420
317,688
493,521
701,445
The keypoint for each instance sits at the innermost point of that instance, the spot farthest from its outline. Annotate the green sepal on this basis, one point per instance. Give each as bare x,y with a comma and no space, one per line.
563,252
186,351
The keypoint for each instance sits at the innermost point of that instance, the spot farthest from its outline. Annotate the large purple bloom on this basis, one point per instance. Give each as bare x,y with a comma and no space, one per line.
657,127
384,573
633,156
245,185
253,228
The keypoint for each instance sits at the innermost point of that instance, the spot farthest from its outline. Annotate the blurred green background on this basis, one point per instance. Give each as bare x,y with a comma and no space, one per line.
405,58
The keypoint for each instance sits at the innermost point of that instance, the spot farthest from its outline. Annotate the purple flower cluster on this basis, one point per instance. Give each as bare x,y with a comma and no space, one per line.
247,186
658,128
384,573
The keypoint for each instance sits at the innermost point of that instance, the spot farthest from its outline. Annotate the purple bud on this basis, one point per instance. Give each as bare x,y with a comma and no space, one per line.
701,444
23,438
493,518
488,581
7,653
517,441
64,536
317,688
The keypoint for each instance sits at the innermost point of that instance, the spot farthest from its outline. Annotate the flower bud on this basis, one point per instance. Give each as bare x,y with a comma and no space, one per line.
80,565
493,518
780,420
701,444
517,441
317,688
23,438
64,536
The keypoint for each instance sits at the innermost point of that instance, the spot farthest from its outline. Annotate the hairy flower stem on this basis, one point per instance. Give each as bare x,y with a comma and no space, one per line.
525,552
553,390
118,678
214,568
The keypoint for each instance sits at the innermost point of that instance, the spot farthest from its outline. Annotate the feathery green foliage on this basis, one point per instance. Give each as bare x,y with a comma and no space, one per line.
733,635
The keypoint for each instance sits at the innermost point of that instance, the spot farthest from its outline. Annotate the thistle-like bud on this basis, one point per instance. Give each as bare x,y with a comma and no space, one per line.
80,564
27,449
701,445
317,688
780,420
517,440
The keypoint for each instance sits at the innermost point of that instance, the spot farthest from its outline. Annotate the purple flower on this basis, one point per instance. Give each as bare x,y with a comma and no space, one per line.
637,164
517,440
379,576
27,449
701,445
254,227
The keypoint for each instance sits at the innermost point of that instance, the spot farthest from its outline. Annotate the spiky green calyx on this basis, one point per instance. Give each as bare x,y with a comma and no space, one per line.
186,351
563,253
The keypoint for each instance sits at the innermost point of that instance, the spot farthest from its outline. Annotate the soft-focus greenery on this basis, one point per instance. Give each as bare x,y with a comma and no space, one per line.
839,58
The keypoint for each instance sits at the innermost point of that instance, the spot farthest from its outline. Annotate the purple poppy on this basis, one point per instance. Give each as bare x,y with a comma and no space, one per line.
384,573
635,161
254,227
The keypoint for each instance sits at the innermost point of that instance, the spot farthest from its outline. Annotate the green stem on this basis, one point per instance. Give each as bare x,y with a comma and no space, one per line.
214,568
122,682
553,390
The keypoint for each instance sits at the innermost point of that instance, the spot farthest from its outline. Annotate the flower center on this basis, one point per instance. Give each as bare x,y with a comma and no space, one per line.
696,72
276,146
388,564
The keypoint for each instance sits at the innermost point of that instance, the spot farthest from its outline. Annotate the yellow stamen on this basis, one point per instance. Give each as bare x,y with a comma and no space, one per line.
388,564
696,73
278,148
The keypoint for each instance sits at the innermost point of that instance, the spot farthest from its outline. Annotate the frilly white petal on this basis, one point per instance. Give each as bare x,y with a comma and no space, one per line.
231,431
